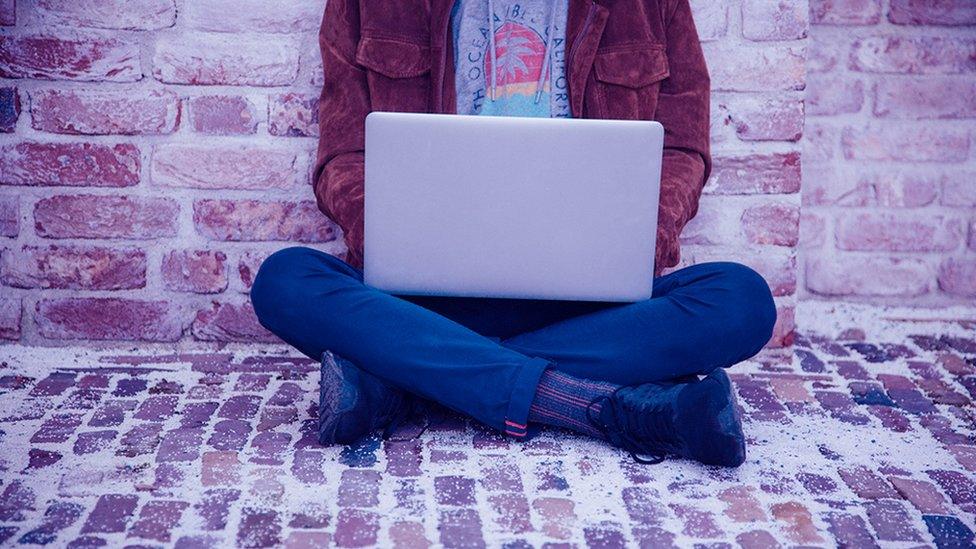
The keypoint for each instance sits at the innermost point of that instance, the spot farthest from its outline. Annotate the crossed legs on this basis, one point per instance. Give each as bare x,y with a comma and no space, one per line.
484,357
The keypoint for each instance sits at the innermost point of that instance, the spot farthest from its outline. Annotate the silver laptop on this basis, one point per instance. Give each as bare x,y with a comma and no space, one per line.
486,206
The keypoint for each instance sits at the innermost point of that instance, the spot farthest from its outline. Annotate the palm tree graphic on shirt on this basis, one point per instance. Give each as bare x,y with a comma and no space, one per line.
520,52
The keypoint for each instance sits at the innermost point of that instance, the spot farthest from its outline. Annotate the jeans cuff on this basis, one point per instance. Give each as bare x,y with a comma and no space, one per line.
526,382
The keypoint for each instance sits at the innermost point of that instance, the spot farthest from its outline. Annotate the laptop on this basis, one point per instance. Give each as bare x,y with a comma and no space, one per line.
533,208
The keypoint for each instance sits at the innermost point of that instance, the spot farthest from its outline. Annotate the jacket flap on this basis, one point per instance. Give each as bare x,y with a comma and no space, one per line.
393,58
633,67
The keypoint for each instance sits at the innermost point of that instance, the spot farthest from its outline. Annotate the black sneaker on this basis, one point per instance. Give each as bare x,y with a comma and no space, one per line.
354,403
695,419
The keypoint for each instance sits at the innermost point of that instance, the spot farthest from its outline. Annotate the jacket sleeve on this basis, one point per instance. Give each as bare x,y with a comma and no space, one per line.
683,110
343,106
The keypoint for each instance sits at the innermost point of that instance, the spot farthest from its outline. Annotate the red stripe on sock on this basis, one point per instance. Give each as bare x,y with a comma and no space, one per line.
583,427
564,397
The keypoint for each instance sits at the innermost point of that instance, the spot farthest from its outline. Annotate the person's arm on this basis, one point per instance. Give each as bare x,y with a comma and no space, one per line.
683,110
343,108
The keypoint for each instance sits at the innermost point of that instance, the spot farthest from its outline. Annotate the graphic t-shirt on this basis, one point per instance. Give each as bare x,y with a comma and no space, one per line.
520,28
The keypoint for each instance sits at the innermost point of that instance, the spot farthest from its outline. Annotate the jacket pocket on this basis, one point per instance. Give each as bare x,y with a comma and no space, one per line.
628,80
398,73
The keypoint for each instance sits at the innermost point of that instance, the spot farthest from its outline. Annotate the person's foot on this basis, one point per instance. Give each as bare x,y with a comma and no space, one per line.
354,403
696,419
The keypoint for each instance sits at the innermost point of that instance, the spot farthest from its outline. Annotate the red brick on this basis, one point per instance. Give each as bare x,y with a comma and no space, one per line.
101,112
898,232
891,522
914,55
253,220
87,58
292,114
756,174
830,95
88,216
201,167
757,539
223,115
866,484
958,277
108,319
813,230
766,20
925,97
958,188
10,313
923,495
906,143
220,468
706,226
798,522
197,271
824,53
74,267
281,16
774,223
157,520
312,539
929,12
107,14
248,266
742,505
198,59
358,528
903,188
765,119
8,13
9,109
892,187
711,19
230,322
9,215
765,69
406,534
819,143
785,328
558,516
845,12
359,488
868,276
69,164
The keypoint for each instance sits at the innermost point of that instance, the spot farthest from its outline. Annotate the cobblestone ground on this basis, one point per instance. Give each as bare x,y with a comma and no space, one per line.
857,442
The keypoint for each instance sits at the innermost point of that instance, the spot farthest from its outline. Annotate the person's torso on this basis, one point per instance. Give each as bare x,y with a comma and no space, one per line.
614,56
523,73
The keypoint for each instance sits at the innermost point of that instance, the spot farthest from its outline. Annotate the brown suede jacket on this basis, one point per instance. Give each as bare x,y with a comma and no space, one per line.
626,59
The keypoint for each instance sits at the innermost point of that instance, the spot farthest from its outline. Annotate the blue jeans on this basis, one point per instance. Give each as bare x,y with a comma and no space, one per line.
484,356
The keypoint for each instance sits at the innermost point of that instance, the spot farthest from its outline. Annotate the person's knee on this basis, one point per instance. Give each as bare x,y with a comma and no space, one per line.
278,280
751,309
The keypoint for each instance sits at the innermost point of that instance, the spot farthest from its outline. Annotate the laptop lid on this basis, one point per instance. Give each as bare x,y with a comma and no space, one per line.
485,206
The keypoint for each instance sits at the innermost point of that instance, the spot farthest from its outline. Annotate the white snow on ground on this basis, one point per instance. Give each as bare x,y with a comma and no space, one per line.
594,473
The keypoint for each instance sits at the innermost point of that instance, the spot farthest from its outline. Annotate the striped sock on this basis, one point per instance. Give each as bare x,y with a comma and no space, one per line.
561,400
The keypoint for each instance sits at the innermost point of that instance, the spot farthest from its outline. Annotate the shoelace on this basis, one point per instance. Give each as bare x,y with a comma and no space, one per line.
630,443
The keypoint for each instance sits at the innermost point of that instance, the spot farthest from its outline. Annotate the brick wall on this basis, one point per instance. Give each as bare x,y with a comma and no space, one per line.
889,175
153,152
750,210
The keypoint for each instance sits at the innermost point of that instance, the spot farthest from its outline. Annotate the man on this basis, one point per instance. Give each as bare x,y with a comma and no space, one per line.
627,373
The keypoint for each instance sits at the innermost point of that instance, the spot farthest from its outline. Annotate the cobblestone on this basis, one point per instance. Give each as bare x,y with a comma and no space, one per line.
852,442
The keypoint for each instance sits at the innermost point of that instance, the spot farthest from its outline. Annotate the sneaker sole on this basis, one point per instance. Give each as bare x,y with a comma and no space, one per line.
338,394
